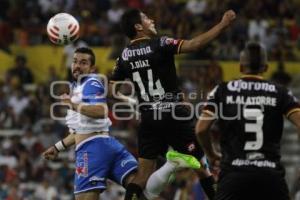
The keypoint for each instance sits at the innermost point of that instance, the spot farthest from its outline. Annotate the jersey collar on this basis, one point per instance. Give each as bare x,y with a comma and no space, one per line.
86,77
251,76
139,39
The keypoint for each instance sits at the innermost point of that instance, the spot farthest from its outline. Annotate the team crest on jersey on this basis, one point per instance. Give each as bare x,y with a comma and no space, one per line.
82,164
96,84
171,41
168,41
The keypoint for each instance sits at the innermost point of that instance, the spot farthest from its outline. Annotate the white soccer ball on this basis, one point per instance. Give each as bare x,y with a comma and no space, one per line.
63,28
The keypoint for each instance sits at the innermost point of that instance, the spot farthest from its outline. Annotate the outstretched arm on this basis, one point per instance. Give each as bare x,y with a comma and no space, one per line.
202,39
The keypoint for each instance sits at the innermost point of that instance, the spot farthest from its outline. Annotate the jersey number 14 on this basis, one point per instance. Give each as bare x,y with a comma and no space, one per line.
159,91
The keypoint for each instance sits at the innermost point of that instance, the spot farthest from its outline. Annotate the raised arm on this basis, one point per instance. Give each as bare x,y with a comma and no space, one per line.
204,38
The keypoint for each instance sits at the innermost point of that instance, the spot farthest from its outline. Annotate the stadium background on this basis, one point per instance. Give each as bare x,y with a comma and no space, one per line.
25,125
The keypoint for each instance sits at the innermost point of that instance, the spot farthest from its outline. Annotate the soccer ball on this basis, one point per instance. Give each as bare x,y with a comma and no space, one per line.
63,28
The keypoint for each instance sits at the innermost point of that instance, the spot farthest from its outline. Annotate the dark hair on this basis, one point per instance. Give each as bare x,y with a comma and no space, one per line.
87,51
256,56
128,20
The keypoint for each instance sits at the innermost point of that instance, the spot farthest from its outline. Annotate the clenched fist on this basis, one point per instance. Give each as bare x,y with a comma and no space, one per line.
228,17
50,154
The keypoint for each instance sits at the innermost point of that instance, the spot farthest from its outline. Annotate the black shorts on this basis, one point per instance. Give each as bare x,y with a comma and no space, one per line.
156,134
258,185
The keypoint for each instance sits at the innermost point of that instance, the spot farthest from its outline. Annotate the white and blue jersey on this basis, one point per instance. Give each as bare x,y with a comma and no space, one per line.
98,157
90,91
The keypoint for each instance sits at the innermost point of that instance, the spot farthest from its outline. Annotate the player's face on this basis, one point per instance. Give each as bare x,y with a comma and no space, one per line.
148,25
81,65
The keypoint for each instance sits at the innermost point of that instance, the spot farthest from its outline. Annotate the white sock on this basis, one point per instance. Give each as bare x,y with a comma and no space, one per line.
158,180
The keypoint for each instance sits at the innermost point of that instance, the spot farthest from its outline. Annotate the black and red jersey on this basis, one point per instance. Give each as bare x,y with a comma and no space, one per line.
250,113
149,64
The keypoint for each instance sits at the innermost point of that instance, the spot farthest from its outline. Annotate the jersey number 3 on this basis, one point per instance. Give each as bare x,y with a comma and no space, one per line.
257,117
159,91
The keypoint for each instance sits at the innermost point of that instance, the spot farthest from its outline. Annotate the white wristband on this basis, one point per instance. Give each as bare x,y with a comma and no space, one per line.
60,146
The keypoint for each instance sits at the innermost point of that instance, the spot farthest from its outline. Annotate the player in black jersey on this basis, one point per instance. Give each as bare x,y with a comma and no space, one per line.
250,114
148,61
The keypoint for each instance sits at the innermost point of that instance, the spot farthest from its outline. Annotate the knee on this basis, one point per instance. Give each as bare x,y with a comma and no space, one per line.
129,179
143,175
144,172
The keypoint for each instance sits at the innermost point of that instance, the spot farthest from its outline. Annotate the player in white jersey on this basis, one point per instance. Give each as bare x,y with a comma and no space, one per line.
99,156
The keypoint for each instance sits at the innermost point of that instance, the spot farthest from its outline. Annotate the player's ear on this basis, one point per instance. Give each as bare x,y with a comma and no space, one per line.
138,27
93,69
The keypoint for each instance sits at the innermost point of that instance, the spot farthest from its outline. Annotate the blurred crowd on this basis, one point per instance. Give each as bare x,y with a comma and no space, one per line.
276,23
27,128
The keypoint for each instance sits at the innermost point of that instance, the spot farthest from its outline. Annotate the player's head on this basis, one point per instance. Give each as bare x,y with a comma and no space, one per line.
253,59
135,23
83,62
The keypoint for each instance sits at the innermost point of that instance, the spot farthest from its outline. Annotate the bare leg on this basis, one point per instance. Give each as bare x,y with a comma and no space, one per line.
89,195
146,168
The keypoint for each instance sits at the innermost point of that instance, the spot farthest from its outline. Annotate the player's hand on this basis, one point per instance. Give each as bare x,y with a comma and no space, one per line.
228,17
50,154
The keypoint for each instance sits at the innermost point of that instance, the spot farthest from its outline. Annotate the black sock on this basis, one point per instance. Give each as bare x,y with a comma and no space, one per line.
208,184
133,192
